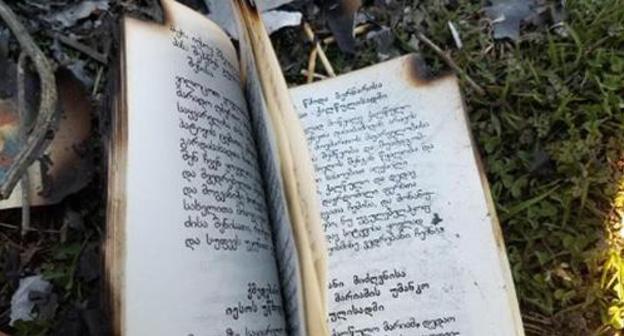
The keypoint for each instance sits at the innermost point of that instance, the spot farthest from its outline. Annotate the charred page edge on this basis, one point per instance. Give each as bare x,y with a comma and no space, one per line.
116,198
417,72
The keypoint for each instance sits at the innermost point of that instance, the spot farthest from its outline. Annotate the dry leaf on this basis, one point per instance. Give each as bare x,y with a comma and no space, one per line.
221,13
341,20
506,16
33,291
69,16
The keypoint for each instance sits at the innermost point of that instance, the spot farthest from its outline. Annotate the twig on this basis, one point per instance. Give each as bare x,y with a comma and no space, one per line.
15,227
537,319
356,31
321,54
450,63
98,78
534,329
82,48
455,33
9,226
312,64
24,123
47,113
305,72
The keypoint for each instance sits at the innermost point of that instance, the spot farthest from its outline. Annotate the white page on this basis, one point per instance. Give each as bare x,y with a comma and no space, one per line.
199,255
413,247
283,238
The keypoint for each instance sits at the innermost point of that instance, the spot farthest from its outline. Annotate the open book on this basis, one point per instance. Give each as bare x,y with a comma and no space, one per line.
351,206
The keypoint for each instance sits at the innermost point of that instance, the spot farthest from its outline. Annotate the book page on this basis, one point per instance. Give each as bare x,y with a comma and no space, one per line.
199,256
413,241
283,236
296,170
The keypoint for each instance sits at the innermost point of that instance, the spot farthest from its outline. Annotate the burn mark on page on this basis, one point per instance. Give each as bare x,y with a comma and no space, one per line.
417,72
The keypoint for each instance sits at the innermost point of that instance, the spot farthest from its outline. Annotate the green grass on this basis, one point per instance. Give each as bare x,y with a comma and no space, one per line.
550,130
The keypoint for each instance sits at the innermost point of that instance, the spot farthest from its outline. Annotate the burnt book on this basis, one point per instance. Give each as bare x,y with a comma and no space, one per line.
238,206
